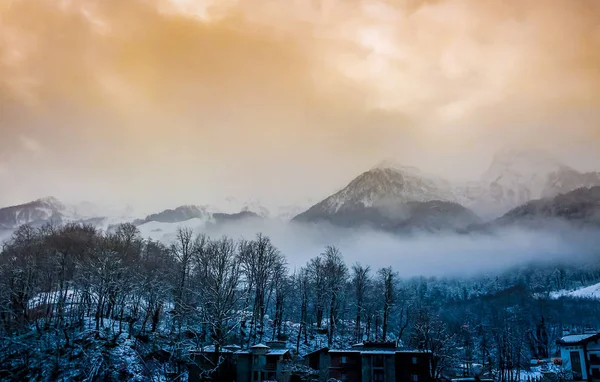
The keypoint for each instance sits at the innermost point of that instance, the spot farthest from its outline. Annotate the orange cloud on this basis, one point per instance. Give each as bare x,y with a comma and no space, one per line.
178,87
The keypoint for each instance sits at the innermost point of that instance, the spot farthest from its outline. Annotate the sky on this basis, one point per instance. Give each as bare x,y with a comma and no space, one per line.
158,103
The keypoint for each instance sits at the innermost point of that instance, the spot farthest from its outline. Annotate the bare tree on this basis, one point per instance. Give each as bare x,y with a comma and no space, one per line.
186,248
360,283
303,283
387,277
316,269
260,261
336,274
218,290
430,334
281,286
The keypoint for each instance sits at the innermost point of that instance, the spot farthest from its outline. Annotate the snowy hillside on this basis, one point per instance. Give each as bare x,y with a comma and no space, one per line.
517,176
592,291
386,185
580,207
394,198
163,226
36,212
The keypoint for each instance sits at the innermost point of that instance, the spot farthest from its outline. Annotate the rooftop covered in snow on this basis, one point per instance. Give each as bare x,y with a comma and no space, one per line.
578,339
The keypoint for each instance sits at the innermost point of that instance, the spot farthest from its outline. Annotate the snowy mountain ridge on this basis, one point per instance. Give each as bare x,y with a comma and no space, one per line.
385,185
515,177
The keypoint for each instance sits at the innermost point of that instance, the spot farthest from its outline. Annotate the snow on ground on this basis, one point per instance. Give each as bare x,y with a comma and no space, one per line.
592,291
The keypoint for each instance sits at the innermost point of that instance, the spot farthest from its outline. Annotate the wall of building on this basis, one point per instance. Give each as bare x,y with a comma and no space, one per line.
565,354
593,358
406,367
243,368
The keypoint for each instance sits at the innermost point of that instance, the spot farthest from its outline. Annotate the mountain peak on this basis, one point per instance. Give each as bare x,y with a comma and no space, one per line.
52,202
380,188
49,200
393,164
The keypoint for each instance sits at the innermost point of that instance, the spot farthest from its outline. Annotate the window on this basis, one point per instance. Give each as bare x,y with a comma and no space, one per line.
344,360
414,378
378,361
378,376
415,360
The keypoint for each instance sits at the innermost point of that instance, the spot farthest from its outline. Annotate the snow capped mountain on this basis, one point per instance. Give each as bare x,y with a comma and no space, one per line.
567,179
388,195
177,215
514,178
163,226
581,207
50,209
37,212
385,185
394,198
518,176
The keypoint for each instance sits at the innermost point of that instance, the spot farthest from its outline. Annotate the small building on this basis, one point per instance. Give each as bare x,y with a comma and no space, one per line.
208,365
319,361
580,356
372,362
263,363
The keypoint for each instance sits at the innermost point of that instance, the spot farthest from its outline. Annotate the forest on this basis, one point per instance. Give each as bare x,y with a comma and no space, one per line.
80,304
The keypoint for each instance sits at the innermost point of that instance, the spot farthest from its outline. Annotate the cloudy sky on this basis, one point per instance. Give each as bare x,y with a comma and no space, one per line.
163,102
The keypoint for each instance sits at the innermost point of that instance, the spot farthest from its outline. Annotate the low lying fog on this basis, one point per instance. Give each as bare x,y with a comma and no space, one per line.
426,254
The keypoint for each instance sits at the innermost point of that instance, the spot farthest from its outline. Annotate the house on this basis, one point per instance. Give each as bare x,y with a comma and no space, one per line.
345,365
372,362
318,360
263,363
209,365
581,356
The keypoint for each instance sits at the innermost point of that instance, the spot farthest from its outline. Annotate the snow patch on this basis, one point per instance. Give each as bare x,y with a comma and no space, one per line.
592,291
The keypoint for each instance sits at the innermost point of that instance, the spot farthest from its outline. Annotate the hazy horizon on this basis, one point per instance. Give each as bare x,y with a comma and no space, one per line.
158,103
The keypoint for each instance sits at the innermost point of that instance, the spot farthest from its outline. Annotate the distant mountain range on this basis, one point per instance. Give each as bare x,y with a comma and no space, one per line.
393,199
518,176
580,207
519,187
400,198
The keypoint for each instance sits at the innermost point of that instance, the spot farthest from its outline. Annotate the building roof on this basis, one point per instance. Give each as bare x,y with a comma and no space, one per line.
344,351
325,349
409,351
359,350
577,339
378,351
259,346
211,349
278,351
